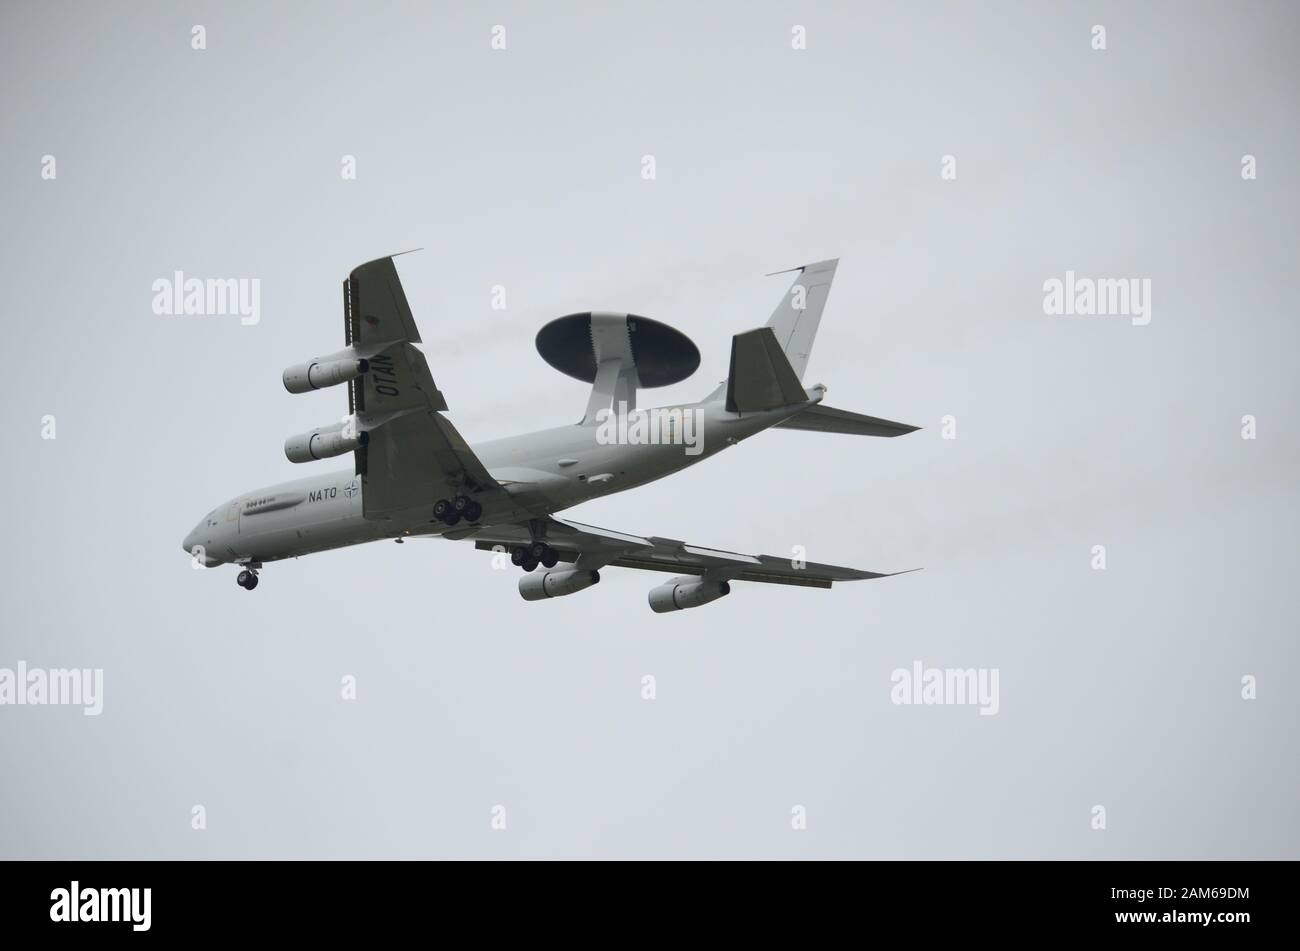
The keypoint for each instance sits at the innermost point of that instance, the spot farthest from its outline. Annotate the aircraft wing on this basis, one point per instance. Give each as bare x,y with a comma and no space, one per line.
597,547
414,456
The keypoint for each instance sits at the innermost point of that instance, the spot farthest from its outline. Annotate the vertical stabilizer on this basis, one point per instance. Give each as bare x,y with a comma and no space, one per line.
797,317
795,321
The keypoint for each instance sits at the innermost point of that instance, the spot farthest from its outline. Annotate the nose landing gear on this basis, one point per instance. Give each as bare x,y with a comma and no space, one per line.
247,578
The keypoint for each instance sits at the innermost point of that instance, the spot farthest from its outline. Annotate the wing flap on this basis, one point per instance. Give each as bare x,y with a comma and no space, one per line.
597,547
414,456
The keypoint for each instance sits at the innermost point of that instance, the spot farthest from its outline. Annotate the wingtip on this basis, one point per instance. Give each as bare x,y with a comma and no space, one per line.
386,259
904,428
874,575
804,267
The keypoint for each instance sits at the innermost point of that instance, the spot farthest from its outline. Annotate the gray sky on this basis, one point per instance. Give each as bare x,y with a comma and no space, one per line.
522,167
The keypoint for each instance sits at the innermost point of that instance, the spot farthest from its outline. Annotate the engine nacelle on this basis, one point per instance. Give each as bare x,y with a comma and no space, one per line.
323,372
325,442
556,583
686,591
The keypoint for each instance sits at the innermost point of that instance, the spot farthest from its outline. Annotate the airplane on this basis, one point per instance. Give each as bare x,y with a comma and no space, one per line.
413,475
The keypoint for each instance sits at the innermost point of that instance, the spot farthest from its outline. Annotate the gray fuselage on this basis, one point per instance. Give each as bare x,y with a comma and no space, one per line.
553,469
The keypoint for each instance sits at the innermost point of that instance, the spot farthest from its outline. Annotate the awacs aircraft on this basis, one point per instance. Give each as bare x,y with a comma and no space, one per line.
413,474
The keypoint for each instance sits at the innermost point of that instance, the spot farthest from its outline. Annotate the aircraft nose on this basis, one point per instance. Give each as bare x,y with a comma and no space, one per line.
188,544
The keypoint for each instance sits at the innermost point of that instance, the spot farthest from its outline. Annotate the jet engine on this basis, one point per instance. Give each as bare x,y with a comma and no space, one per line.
325,442
686,591
556,583
323,372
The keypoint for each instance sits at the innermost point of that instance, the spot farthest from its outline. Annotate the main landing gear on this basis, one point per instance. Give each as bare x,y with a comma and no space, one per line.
528,557
247,579
450,512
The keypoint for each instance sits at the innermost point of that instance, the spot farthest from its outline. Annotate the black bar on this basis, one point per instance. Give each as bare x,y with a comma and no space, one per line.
968,900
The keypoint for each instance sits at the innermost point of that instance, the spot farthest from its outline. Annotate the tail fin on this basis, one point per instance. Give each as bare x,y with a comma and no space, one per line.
797,317
826,419
761,377
795,321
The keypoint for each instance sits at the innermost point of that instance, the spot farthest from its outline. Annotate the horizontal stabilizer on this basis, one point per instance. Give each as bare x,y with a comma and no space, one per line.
827,419
761,377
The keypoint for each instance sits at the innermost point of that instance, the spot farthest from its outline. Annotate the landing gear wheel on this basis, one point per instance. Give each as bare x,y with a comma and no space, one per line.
537,550
247,580
452,519
459,503
549,557
530,564
473,511
441,509
518,556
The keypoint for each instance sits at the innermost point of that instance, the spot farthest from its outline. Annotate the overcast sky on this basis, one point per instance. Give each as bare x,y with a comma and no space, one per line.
523,167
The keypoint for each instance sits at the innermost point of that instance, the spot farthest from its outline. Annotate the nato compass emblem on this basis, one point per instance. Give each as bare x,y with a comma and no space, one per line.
351,489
